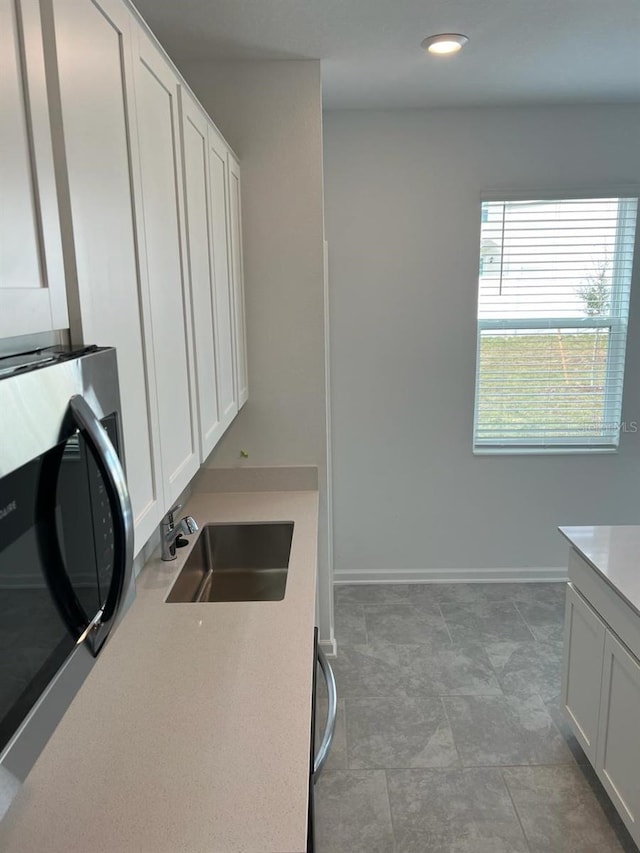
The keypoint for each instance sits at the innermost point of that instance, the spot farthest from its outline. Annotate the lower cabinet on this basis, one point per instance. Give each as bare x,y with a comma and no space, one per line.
618,753
601,698
582,671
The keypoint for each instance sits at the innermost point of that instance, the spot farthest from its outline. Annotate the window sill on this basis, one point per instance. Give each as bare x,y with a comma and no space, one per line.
543,451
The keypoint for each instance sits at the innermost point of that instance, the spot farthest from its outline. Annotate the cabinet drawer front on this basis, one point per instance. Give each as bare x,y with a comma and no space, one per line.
618,754
611,607
582,671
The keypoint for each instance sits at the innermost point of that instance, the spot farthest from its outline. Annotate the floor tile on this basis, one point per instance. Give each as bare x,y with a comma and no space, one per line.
542,613
405,625
370,670
528,668
490,593
504,731
554,707
349,623
386,670
398,733
448,671
485,622
542,592
466,811
559,811
503,660
337,758
374,593
548,633
615,821
352,813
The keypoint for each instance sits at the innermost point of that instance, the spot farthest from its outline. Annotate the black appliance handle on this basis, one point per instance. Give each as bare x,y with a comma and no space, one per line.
108,463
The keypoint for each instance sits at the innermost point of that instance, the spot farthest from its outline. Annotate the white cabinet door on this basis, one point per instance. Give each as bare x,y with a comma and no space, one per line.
618,753
235,221
224,296
92,42
582,671
207,264
32,283
159,190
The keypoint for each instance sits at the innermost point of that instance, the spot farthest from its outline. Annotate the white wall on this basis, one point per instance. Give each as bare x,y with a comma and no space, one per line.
271,114
402,208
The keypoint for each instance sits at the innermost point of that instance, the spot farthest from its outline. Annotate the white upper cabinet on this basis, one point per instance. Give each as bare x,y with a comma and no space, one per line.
32,285
120,200
160,231
92,42
237,269
224,298
206,240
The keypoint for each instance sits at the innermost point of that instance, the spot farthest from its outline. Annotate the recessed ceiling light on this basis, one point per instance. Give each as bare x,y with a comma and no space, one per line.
444,43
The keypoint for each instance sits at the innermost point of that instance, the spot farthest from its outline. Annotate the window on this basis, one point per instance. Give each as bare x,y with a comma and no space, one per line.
553,304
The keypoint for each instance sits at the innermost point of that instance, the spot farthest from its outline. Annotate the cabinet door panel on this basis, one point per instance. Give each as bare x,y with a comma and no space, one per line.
582,671
618,754
161,235
223,292
196,179
32,285
235,220
94,85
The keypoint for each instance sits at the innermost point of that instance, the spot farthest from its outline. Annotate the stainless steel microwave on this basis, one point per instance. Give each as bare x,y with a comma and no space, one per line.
66,536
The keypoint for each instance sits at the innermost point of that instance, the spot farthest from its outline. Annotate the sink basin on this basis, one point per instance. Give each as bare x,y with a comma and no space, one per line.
236,562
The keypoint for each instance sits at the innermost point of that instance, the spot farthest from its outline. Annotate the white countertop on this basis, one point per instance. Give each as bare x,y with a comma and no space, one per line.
614,552
192,731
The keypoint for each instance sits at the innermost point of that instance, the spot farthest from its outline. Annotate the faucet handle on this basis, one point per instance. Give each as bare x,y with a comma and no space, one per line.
192,525
172,512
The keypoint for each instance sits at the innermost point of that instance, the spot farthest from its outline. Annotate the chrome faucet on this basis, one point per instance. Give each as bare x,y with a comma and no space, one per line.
169,532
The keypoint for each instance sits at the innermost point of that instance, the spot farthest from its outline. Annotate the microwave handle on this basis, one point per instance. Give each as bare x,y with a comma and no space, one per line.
109,466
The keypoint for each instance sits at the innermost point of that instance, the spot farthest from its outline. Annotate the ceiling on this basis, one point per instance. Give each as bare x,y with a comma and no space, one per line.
521,51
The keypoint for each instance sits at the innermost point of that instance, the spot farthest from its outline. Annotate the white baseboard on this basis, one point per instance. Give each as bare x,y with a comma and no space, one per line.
514,575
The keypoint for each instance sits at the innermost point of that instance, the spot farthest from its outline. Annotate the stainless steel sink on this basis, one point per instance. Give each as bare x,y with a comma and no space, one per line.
236,562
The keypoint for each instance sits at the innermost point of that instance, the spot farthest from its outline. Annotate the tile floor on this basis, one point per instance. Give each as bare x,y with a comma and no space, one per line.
450,737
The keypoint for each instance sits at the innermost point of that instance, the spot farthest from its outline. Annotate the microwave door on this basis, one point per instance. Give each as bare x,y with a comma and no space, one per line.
51,538
75,517
103,534
90,497
117,494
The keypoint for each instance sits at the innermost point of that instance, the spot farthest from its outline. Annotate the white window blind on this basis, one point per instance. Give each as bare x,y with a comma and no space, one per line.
553,304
